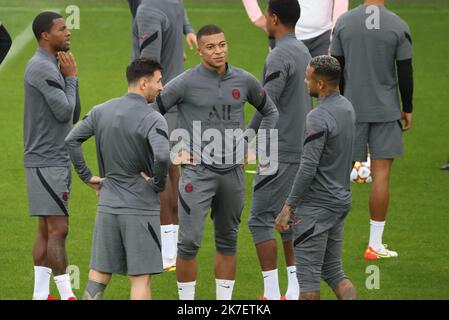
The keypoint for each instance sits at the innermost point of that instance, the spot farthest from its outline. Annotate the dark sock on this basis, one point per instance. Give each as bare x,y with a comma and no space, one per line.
94,291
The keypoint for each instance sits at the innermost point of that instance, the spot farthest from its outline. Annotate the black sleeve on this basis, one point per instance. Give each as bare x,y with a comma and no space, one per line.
405,78
5,43
341,59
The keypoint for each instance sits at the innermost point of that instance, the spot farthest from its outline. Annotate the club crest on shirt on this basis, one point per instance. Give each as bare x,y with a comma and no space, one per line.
188,187
65,196
236,94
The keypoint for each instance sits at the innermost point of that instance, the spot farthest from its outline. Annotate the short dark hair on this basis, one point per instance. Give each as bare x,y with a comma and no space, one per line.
141,67
327,67
288,11
44,22
208,30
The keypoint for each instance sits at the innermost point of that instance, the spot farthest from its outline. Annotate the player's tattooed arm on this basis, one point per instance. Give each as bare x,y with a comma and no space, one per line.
283,218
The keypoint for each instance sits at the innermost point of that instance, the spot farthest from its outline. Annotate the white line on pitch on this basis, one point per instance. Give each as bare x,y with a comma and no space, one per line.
20,42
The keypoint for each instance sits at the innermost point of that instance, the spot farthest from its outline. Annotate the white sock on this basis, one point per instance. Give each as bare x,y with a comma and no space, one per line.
42,277
375,235
293,285
186,290
175,240
167,241
64,286
224,289
271,285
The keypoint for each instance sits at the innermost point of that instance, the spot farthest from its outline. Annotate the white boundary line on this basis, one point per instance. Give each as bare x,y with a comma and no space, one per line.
21,41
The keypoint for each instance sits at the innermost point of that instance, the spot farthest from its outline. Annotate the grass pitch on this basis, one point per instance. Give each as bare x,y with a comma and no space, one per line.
418,223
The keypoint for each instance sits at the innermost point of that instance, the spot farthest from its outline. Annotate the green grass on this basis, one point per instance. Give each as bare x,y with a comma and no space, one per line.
418,223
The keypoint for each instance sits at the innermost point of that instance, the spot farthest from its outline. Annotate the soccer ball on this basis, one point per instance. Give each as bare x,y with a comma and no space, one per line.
361,172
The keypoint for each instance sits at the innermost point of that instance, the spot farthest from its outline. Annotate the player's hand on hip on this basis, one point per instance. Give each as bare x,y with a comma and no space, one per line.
67,64
94,183
144,175
407,118
191,40
281,222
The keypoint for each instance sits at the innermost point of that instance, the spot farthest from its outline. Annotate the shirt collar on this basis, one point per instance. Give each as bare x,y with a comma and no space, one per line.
44,53
135,96
287,37
331,95
213,73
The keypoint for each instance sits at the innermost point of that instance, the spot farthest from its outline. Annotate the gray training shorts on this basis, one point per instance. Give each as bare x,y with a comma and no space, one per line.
201,189
318,247
48,190
319,45
383,139
270,193
126,244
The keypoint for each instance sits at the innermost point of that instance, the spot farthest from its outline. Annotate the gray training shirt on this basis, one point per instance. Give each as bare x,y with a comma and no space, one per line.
370,60
131,137
323,178
187,27
158,33
284,83
52,105
218,103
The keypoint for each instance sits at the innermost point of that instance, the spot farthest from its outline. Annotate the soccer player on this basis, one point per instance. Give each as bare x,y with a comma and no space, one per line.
133,157
158,29
321,197
314,28
372,75
188,30
284,83
213,95
5,42
51,107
